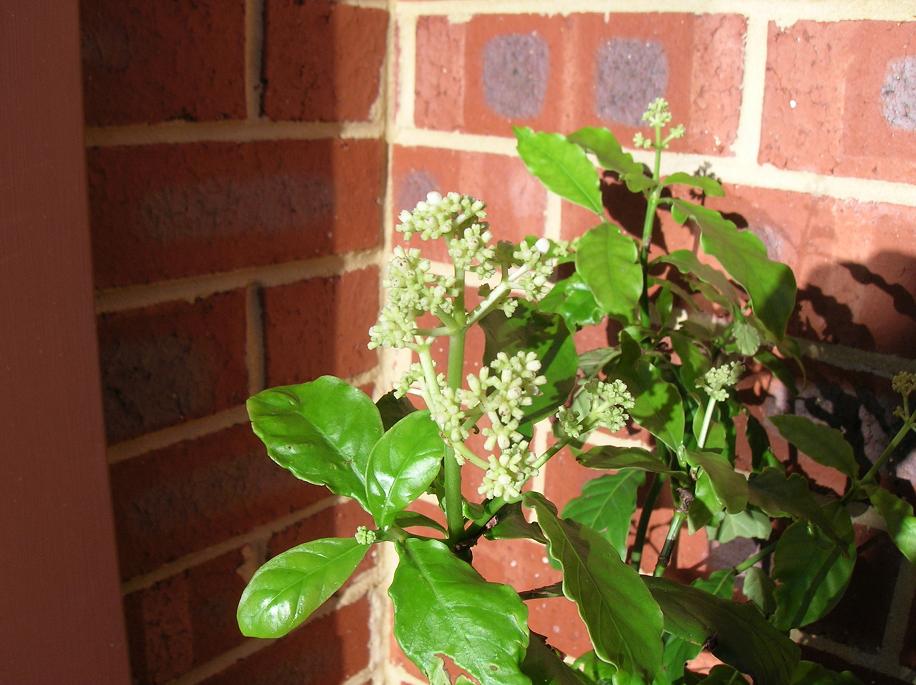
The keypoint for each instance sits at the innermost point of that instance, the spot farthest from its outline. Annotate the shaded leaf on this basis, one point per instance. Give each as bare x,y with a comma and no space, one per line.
729,486
608,262
606,505
810,673
512,525
822,443
783,496
413,519
658,406
687,263
723,675
749,523
611,457
760,589
545,667
392,409
707,184
561,166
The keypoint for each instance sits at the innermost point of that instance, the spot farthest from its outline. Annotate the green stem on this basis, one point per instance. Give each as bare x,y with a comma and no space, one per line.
707,420
643,526
648,224
891,446
664,557
454,515
750,561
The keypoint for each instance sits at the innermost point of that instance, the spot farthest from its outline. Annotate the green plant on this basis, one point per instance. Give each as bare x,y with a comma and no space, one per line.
686,330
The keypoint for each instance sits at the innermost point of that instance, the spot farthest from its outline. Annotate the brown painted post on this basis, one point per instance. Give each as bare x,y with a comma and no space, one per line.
60,605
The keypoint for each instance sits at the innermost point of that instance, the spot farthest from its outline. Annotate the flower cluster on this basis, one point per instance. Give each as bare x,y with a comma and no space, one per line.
507,474
718,379
437,216
904,383
599,405
364,536
537,262
657,115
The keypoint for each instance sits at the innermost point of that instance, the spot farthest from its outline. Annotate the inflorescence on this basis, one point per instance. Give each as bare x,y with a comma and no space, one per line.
718,379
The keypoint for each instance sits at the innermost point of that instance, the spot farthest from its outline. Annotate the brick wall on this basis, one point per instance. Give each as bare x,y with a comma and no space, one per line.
246,160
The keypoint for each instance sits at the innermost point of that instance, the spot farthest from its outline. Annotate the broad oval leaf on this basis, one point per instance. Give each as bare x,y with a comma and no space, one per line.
612,457
822,443
729,486
546,667
572,299
695,615
898,518
782,496
811,570
623,621
288,588
443,607
321,431
561,166
606,505
608,262
707,184
402,465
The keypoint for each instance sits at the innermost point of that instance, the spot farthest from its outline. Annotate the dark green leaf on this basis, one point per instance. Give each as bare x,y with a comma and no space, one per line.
605,147
771,285
606,505
749,523
723,675
778,368
442,607
694,362
392,409
593,361
547,336
571,299
822,443
322,431
898,518
810,673
780,496
561,166
403,463
719,583
413,519
288,588
608,262
694,615
812,571
707,184
512,525
658,406
687,263
729,486
757,439
623,621
610,457
760,589
545,667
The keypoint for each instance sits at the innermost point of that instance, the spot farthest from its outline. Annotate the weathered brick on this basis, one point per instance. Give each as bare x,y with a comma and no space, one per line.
329,649
185,620
168,211
320,326
322,60
841,99
171,362
151,61
562,72
199,492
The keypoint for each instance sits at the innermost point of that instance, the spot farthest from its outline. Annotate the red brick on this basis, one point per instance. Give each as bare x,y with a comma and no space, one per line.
329,650
194,494
824,107
555,73
320,326
184,621
169,211
149,61
322,60
558,620
171,362
516,201
522,564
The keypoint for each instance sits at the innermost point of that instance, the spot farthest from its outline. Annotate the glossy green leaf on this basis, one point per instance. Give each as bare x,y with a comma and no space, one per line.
413,519
547,336
392,409
546,667
322,431
572,299
811,570
402,465
624,623
749,523
707,184
608,262
562,167
611,457
771,285
442,607
606,505
810,673
288,588
822,443
607,149
898,518
512,525
760,589
658,406
730,487
695,615
783,496
687,263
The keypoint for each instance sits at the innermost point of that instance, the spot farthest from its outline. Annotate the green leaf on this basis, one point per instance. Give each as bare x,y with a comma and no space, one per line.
322,431
413,519
402,465
608,262
512,525
606,505
822,443
546,667
561,166
898,518
605,147
757,439
694,362
610,457
812,571
600,672
749,523
392,409
547,336
288,588
723,675
592,361
694,615
442,607
783,496
771,285
747,339
760,589
810,673
687,263
707,184
571,299
658,406
623,621
729,486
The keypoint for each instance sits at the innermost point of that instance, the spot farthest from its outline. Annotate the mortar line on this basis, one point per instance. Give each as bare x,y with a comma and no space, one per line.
254,339
750,115
239,131
854,655
254,51
195,287
897,620
407,69
553,217
402,677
